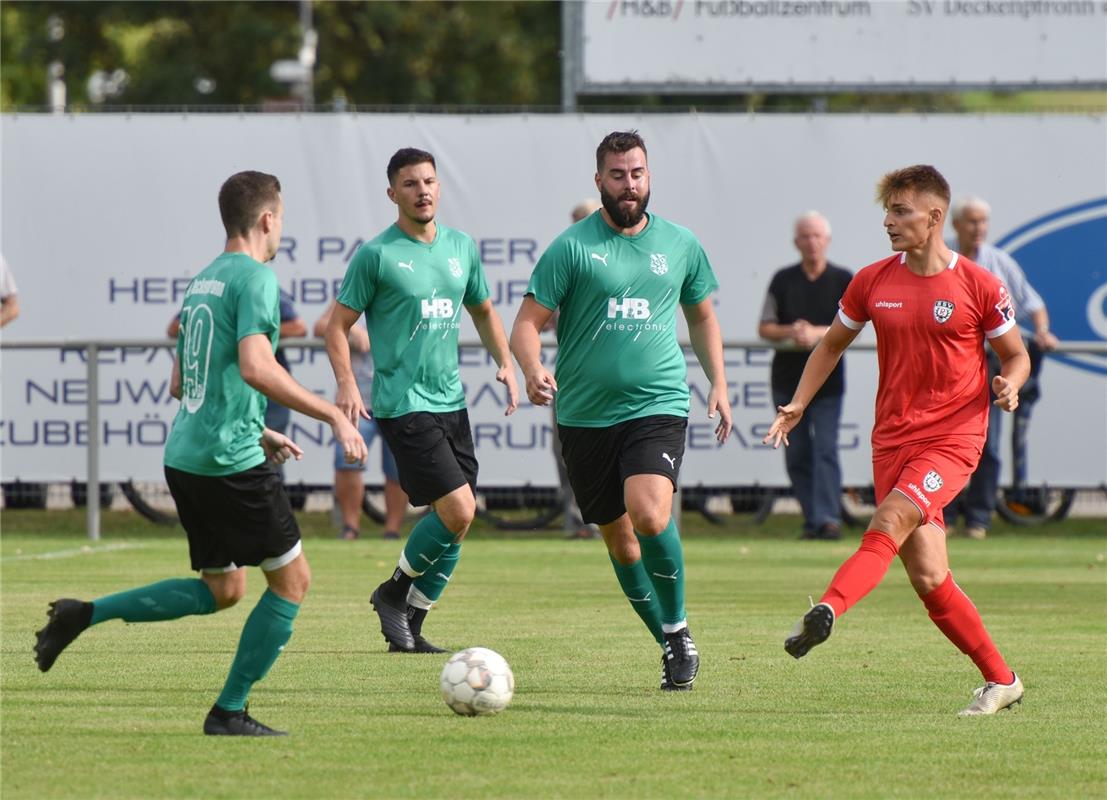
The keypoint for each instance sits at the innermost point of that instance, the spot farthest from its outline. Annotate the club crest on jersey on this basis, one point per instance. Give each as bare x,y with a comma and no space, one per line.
932,482
455,267
659,263
1005,307
943,310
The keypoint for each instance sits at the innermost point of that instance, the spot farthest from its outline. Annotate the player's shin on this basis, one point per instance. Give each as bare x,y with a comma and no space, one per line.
266,632
164,600
639,591
861,572
663,559
956,616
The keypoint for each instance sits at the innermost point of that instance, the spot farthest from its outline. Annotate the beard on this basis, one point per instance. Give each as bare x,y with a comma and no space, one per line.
624,218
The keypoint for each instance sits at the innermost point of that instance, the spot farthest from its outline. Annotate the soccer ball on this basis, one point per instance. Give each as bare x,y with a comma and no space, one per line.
477,682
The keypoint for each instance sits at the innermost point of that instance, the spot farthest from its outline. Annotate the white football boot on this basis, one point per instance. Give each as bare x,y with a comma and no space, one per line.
993,697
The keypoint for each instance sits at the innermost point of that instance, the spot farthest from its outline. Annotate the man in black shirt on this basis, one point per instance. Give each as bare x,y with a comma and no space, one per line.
801,303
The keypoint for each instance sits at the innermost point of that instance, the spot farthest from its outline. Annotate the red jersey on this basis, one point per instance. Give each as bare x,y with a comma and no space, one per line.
930,345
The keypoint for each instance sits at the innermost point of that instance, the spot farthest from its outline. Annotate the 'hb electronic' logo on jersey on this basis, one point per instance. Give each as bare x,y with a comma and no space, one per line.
438,308
628,308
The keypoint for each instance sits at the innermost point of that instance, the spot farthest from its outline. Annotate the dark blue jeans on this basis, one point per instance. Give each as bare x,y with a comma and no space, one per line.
812,461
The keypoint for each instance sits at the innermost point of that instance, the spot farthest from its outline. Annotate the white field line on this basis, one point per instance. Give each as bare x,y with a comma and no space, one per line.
87,550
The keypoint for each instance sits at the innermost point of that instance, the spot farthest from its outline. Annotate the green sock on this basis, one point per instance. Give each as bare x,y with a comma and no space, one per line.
266,632
168,599
429,539
663,558
641,594
433,582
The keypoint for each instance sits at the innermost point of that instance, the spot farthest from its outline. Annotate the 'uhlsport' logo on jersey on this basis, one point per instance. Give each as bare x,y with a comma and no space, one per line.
438,308
455,267
659,263
932,481
628,308
943,310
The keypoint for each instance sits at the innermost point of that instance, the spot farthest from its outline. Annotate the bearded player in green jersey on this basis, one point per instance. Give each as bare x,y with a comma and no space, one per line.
218,459
411,282
622,397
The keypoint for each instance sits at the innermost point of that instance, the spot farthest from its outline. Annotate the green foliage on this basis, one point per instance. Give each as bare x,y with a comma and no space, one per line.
872,713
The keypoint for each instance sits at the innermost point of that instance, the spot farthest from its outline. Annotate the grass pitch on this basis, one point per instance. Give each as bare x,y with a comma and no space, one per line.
872,713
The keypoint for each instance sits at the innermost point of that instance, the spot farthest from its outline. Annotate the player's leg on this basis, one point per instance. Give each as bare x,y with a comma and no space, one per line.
649,460
926,562
395,498
264,636
800,467
824,415
432,470
895,518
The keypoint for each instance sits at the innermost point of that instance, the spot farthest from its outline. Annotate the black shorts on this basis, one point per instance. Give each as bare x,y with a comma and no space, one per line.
434,453
237,520
599,460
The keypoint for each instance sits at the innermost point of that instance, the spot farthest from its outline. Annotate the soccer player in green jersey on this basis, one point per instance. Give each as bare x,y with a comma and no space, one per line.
217,461
411,283
617,278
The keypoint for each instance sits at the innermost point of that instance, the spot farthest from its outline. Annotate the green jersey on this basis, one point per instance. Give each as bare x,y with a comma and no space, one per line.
218,426
618,356
411,293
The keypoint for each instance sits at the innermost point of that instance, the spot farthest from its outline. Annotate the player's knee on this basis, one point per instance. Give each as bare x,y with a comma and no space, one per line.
925,580
227,594
458,514
895,520
652,521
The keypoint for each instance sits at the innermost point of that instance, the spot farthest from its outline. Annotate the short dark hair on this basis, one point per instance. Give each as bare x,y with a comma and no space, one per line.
918,178
244,196
618,142
406,157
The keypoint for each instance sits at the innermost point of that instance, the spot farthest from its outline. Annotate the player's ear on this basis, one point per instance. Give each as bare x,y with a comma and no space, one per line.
391,194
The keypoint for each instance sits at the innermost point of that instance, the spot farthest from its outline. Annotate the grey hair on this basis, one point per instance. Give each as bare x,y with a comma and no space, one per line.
963,204
812,215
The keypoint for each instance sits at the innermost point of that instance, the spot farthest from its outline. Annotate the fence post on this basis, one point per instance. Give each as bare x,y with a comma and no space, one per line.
92,493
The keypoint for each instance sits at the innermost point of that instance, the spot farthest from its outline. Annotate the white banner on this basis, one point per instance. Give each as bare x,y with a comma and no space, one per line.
105,218
834,45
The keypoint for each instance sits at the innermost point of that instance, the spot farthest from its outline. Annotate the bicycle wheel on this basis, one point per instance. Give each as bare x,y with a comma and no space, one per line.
752,502
522,508
1034,505
151,500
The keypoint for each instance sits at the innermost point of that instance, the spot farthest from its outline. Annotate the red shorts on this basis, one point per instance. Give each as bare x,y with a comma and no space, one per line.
929,473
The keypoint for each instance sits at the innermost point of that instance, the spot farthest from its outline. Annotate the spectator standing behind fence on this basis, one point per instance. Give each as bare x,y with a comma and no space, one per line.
277,416
970,217
575,526
9,294
800,304
348,485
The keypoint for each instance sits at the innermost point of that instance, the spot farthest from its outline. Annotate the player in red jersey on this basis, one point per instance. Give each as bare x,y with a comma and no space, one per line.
932,309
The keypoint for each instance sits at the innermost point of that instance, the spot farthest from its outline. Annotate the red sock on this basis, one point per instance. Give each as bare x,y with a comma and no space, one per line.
955,615
861,572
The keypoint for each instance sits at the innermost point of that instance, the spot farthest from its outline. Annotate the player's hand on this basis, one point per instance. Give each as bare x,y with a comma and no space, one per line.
506,376
1046,340
346,434
541,387
1007,394
348,400
278,447
719,400
787,417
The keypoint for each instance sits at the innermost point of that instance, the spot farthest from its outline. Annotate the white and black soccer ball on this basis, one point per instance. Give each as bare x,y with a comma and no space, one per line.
477,682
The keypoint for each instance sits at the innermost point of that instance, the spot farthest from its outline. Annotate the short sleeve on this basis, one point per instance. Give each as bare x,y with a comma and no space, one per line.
853,307
359,286
257,307
699,280
476,289
998,309
550,280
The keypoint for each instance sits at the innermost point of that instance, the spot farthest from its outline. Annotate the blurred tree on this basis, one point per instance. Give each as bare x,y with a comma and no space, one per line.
194,53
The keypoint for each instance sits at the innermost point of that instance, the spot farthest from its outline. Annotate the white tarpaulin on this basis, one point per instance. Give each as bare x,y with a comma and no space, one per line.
105,218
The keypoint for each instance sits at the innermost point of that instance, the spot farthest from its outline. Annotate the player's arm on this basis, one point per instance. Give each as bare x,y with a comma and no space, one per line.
822,361
260,369
1014,368
491,331
359,337
707,342
337,338
526,344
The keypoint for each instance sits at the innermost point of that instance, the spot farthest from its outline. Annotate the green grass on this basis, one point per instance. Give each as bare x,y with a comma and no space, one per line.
870,714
